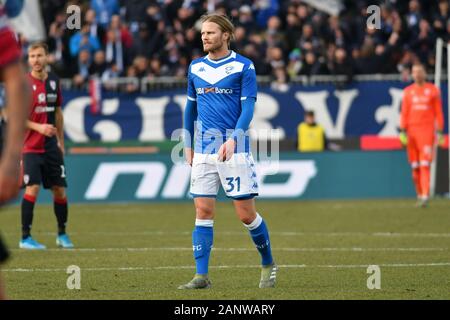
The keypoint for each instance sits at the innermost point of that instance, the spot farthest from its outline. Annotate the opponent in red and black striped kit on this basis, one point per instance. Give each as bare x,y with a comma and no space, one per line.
43,149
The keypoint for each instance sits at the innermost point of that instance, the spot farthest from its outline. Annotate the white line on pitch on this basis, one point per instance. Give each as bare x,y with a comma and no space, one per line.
232,249
292,266
243,233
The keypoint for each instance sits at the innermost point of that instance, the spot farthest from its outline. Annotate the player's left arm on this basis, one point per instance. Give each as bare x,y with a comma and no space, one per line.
248,98
59,122
439,116
438,110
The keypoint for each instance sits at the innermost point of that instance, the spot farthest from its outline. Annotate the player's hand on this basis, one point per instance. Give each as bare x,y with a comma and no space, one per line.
9,176
441,138
61,147
189,155
403,138
226,150
47,130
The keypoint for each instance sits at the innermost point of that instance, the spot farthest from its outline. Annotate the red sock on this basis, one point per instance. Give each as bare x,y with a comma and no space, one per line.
425,180
416,179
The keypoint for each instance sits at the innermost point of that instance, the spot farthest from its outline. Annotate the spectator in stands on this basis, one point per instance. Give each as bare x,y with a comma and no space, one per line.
341,65
146,43
83,40
140,63
310,135
84,62
156,69
134,13
279,75
245,19
95,29
131,87
295,63
117,44
413,16
424,41
167,29
308,41
98,66
440,19
104,10
292,31
312,65
109,77
56,43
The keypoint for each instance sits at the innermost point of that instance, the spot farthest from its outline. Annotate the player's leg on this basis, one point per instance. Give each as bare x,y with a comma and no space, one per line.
204,187
60,208
31,166
425,158
413,159
54,178
238,177
252,220
27,215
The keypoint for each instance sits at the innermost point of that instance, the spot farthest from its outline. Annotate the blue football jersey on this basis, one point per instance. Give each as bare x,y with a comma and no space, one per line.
218,87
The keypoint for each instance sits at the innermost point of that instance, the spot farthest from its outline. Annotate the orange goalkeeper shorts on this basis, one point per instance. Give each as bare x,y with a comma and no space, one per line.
420,146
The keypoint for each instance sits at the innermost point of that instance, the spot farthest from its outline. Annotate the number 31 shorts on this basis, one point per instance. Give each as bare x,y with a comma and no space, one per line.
237,176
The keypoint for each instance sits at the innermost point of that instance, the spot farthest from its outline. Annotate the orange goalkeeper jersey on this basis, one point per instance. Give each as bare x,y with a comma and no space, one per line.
421,107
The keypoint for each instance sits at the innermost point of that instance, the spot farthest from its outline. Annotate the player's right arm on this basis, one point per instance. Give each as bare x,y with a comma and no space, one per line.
404,117
45,129
190,115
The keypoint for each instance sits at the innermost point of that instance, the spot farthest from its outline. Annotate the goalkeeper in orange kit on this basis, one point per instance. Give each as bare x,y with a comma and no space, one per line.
421,116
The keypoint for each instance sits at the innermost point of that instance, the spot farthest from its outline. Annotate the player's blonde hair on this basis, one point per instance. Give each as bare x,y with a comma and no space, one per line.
419,65
222,21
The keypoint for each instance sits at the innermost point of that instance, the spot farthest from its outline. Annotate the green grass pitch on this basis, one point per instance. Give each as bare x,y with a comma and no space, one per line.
143,251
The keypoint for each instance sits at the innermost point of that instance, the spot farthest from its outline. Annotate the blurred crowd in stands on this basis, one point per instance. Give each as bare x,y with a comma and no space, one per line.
284,38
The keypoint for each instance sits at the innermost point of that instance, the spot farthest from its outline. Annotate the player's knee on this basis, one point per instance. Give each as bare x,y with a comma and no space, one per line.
32,190
59,192
204,211
247,219
246,215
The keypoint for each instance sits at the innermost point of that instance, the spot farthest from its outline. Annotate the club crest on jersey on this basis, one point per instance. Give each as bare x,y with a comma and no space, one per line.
26,179
34,87
229,69
41,97
53,84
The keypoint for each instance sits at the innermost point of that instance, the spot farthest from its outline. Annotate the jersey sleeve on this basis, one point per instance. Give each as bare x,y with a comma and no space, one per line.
437,105
191,93
249,86
59,98
404,111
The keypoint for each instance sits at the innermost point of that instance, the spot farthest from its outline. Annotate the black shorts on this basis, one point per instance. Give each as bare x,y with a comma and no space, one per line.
47,167
4,254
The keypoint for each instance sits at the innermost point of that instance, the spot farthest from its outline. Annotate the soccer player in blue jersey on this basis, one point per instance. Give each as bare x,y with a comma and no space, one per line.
221,98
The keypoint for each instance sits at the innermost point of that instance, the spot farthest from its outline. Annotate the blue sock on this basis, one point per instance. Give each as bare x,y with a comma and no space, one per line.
202,241
260,235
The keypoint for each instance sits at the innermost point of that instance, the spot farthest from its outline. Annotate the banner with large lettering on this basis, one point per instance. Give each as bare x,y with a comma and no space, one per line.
368,107
326,175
